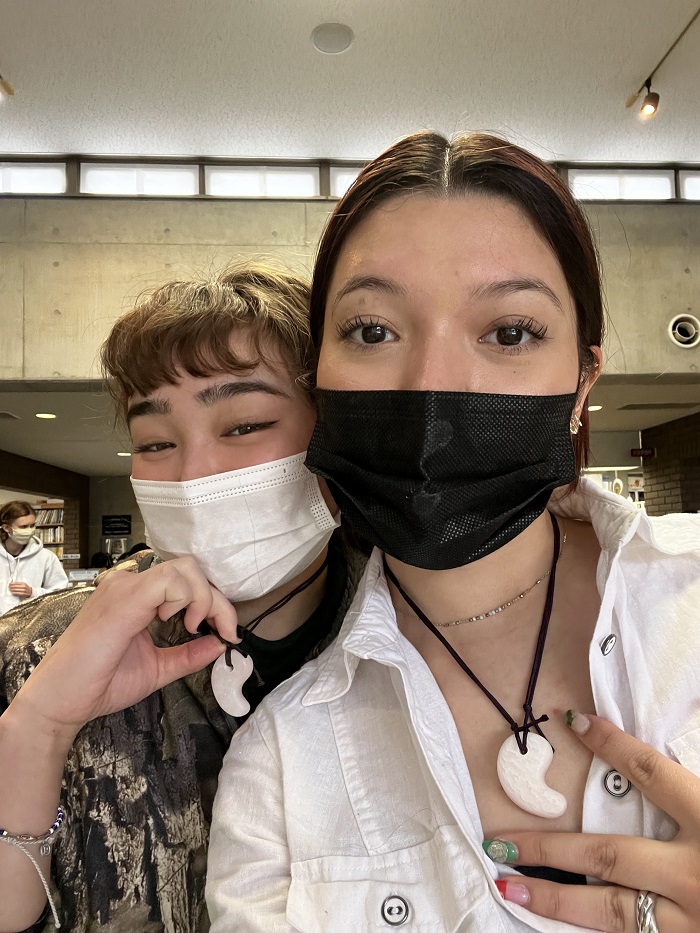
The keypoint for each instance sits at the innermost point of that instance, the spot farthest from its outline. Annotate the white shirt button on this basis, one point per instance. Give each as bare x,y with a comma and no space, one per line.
616,784
395,910
607,644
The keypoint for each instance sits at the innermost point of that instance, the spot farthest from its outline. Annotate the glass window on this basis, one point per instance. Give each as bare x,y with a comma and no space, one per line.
243,181
690,185
621,184
150,180
32,177
341,179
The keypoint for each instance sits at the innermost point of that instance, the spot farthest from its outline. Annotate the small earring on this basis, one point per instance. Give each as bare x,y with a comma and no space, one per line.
575,424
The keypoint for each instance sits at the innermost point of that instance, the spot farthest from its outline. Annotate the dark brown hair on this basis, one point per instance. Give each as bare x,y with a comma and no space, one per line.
11,511
187,326
427,163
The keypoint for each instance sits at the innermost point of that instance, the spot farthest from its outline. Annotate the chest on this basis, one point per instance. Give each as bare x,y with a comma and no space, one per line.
563,683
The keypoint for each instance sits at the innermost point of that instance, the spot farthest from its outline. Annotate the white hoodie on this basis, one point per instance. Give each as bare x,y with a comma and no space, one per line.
35,565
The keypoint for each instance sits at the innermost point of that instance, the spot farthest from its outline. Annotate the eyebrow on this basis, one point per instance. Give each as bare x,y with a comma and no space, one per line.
151,406
221,391
372,282
512,286
218,392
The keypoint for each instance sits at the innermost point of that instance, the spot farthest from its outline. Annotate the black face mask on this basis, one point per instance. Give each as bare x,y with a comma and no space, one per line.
440,479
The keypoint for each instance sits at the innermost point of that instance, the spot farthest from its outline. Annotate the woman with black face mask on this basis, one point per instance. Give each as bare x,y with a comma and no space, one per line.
434,780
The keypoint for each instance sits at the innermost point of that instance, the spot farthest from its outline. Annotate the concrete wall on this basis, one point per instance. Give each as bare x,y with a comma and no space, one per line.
651,264
68,267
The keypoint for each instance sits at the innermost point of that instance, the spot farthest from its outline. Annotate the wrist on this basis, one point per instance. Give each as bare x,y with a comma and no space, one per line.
22,725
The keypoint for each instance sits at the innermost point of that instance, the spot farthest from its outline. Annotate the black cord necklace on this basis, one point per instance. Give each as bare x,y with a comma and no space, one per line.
235,665
524,758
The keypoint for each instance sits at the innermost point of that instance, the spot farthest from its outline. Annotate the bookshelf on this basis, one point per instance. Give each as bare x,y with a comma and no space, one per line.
50,525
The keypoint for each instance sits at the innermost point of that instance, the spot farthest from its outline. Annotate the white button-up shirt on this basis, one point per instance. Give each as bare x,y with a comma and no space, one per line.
347,794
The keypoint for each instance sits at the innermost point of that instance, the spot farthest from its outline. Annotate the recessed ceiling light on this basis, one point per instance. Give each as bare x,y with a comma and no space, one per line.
123,453
45,414
332,38
594,407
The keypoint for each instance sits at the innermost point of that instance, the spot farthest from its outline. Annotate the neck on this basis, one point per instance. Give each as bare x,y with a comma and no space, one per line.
12,547
447,595
295,613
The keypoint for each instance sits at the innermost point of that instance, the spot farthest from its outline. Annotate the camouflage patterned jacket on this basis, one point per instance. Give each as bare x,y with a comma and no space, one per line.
138,785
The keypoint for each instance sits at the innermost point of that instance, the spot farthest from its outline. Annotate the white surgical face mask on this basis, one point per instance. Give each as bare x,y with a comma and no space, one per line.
250,530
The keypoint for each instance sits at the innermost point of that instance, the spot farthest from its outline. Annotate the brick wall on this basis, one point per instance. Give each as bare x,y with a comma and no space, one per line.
71,532
672,477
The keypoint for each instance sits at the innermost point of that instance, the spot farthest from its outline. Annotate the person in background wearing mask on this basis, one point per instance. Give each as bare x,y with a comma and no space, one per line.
212,378
27,568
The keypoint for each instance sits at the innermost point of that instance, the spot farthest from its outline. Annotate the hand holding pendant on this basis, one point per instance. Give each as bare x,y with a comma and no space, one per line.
106,659
628,864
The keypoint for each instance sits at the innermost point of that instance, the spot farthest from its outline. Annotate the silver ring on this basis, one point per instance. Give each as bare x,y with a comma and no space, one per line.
646,920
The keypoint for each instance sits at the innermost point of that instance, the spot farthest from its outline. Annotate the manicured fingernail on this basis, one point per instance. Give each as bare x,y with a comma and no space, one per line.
578,722
500,851
514,892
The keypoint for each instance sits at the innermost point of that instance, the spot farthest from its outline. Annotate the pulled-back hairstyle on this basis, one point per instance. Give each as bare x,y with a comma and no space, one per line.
187,326
10,512
428,164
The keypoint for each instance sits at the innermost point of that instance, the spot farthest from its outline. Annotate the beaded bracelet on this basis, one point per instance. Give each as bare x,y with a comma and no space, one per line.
44,841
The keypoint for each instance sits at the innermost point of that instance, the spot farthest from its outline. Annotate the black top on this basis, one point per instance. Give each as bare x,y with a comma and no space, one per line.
275,661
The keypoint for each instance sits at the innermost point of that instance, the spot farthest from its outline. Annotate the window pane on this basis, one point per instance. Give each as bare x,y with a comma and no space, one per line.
152,180
171,180
647,186
621,184
108,179
592,186
690,185
231,181
32,177
242,181
341,179
301,182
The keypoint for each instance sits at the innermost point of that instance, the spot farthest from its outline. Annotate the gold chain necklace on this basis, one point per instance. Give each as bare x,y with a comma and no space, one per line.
492,612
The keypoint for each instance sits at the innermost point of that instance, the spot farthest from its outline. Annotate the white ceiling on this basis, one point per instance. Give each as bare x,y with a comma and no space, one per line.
240,78
82,437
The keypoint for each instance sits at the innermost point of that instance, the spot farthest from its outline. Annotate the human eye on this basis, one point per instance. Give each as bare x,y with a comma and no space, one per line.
514,336
154,448
365,332
248,427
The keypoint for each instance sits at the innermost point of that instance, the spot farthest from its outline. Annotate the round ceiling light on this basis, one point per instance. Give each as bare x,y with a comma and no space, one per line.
123,453
332,38
595,407
46,415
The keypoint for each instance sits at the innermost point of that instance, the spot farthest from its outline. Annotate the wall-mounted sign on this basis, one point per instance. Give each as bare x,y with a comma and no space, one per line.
116,526
643,452
71,557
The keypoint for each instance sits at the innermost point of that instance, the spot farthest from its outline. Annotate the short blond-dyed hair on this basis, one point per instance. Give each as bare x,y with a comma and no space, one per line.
187,326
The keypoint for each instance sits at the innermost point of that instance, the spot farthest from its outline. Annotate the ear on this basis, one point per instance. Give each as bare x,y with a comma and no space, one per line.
588,380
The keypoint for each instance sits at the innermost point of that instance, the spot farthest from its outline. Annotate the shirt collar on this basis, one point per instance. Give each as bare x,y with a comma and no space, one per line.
370,629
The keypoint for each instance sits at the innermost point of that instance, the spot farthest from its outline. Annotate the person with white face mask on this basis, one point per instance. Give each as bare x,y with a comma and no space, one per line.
27,569
211,379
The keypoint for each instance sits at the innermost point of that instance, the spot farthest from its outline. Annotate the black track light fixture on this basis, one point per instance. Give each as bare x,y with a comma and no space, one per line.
651,101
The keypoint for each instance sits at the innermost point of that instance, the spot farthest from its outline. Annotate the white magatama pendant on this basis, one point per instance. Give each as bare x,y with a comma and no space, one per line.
227,682
522,777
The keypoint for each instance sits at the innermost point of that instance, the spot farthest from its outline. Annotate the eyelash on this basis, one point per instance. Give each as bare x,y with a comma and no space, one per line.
344,330
229,432
529,325
537,331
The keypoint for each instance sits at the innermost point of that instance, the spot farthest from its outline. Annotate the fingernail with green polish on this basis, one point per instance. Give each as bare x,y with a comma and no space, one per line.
500,851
